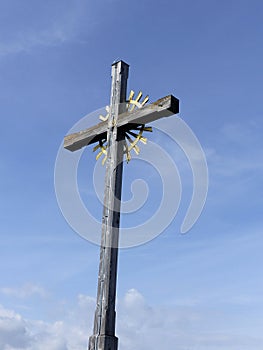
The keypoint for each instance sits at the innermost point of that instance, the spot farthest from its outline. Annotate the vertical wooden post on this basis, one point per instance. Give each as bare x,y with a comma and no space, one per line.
103,337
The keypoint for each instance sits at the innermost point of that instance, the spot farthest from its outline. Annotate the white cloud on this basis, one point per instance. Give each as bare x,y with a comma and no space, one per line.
19,333
13,332
139,326
25,291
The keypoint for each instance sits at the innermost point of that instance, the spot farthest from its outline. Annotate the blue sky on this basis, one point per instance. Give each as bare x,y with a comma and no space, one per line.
199,291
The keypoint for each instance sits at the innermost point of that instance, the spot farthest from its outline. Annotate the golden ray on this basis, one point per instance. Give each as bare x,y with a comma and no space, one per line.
127,152
103,151
131,95
136,103
106,116
133,145
145,100
141,138
132,136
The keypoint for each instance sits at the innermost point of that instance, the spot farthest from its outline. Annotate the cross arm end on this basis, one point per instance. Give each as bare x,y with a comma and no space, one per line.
164,107
80,139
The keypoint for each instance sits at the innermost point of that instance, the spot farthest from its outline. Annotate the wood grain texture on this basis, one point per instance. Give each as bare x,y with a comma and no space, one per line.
164,107
103,337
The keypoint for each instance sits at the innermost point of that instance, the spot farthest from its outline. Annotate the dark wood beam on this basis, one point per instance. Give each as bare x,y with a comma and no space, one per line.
164,107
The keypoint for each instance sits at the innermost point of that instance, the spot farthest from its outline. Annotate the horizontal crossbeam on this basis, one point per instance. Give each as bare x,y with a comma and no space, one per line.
164,107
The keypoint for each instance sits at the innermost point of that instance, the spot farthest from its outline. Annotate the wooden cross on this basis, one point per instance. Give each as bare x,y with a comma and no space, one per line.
113,130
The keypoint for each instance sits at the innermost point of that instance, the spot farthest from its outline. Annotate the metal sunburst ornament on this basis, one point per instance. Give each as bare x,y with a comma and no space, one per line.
132,136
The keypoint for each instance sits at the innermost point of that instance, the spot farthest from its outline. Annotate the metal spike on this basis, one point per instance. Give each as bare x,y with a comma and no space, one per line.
99,145
137,135
143,140
136,149
136,101
104,160
131,95
148,128
99,155
134,146
104,118
127,152
133,106
145,100
139,96
102,149
96,147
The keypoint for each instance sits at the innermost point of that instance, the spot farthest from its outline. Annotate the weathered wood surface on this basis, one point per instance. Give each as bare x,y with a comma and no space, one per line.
103,337
113,130
164,107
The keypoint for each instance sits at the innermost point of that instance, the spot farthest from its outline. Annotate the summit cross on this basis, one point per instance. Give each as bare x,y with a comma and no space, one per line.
120,120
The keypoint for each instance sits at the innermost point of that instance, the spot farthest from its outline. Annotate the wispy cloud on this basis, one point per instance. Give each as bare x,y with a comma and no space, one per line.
55,29
237,149
27,41
25,291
